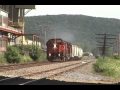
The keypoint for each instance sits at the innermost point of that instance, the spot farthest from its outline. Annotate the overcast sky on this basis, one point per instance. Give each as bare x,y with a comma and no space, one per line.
109,11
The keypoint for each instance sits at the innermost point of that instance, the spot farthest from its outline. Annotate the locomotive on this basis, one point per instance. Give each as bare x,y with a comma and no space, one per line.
58,49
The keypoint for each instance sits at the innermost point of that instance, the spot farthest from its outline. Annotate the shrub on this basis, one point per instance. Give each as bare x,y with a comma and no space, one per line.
12,55
42,56
25,59
116,57
2,58
85,54
35,54
24,53
24,49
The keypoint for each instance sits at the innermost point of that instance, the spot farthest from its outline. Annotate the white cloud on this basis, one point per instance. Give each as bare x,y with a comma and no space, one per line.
110,11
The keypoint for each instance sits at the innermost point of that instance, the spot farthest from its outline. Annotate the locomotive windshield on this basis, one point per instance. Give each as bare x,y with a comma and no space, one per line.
58,40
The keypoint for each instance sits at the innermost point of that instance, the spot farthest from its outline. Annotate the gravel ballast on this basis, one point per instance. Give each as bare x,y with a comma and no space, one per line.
30,70
84,74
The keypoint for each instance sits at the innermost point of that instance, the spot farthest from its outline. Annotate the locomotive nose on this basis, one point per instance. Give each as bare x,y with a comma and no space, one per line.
54,45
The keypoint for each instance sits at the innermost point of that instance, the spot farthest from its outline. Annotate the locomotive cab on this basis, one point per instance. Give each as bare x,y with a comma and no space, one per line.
57,49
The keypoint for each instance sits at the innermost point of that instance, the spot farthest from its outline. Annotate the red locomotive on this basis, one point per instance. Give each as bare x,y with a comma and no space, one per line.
58,49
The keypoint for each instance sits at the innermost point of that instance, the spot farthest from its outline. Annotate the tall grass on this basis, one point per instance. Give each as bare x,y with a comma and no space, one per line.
108,67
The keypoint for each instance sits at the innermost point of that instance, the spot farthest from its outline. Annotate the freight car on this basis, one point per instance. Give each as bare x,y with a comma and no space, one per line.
58,49
77,52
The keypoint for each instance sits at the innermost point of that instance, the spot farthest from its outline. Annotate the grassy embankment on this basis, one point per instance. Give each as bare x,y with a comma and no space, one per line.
109,66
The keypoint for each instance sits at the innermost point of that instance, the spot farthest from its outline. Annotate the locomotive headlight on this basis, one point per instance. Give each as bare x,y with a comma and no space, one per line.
54,45
49,54
59,54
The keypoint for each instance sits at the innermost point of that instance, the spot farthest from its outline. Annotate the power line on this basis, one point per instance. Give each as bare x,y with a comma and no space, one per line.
103,44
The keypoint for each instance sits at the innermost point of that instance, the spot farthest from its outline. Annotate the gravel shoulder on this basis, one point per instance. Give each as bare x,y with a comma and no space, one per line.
84,74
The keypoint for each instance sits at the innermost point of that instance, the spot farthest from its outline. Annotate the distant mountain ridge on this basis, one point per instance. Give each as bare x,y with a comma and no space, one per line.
77,29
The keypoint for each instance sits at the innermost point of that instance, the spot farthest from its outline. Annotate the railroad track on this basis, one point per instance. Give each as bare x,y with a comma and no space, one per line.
30,78
19,66
32,64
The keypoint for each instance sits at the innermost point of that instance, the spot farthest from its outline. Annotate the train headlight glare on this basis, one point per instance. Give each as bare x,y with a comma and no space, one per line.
49,54
58,54
55,45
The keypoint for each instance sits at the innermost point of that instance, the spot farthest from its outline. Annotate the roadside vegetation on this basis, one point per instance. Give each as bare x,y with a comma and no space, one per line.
109,66
22,54
2,59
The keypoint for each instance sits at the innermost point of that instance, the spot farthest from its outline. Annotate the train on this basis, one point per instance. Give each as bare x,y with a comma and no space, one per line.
60,50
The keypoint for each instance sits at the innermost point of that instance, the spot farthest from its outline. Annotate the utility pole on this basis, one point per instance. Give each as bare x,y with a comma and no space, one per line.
103,43
119,45
45,34
41,35
45,39
104,46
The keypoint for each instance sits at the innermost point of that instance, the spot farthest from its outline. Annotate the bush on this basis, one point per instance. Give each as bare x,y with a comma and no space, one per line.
42,56
12,55
85,54
24,49
25,59
35,54
2,59
116,57
31,50
24,53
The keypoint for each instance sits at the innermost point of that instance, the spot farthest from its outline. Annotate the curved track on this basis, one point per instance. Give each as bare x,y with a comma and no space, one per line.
41,75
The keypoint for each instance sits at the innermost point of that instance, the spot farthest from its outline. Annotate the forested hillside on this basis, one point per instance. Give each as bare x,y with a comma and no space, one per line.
77,29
